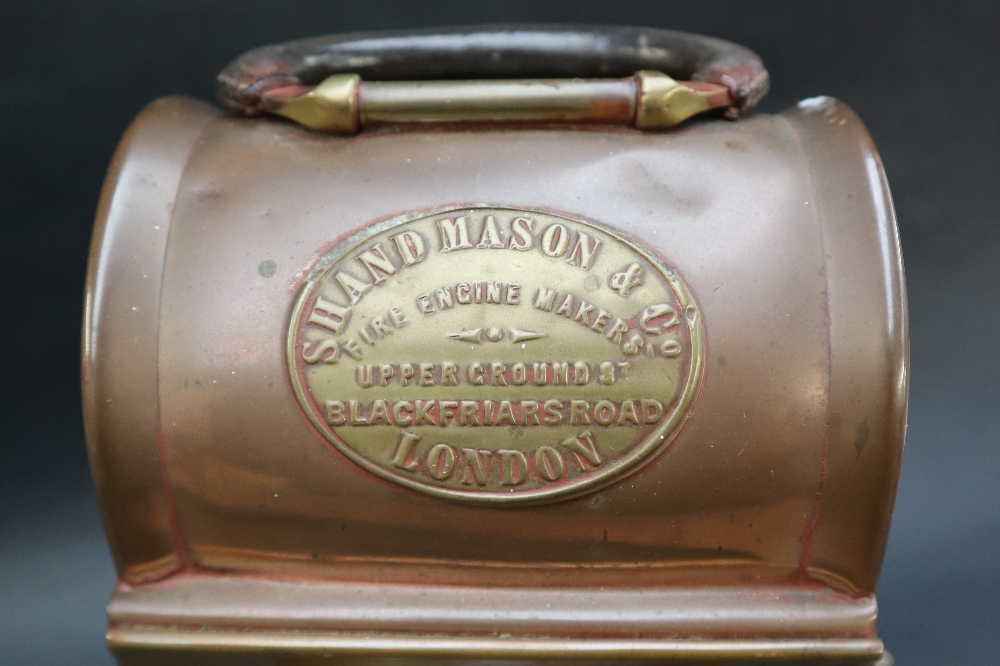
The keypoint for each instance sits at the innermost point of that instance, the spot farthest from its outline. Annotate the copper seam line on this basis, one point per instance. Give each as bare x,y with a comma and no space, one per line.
175,530
809,531
637,96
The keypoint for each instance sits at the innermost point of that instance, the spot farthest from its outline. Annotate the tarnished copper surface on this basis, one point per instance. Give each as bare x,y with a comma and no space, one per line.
120,363
757,532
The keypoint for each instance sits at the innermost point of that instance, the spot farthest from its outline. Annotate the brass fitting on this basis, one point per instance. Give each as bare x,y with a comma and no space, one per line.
664,102
332,106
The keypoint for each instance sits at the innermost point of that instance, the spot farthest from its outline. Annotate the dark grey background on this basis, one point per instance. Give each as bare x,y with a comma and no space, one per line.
922,75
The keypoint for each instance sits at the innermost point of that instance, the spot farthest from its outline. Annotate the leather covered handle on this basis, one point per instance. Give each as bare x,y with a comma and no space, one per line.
494,52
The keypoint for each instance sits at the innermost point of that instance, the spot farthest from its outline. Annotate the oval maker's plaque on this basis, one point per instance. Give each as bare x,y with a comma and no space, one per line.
495,355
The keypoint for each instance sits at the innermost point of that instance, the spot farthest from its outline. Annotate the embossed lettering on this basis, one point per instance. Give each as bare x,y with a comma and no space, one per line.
448,374
513,467
380,413
454,234
423,413
353,349
505,414
402,458
327,350
354,414
477,466
532,347
615,332
365,376
377,263
600,321
424,304
445,299
496,374
398,318
492,292
553,412
490,237
633,344
521,238
555,238
410,246
441,461
330,315
585,249
566,307
583,313
578,412
354,287
529,413
670,348
628,414
658,311
583,445
402,413
469,413
544,299
549,463
607,373
335,412
625,280
444,407
381,327
652,410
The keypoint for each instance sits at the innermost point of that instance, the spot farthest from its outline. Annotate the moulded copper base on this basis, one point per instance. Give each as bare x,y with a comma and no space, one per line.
196,617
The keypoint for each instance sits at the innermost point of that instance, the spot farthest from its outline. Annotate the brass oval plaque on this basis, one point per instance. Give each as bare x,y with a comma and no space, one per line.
495,355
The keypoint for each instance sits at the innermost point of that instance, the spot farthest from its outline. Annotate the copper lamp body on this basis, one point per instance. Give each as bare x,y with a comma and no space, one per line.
459,387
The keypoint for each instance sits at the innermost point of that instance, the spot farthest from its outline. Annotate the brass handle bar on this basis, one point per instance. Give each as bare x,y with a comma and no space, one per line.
344,104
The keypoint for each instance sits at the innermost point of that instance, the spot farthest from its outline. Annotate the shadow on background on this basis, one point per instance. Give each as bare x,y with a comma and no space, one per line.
74,74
